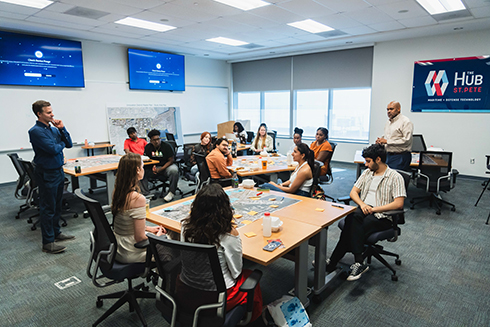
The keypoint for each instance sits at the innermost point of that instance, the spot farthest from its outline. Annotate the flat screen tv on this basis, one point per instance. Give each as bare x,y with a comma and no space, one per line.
40,61
152,70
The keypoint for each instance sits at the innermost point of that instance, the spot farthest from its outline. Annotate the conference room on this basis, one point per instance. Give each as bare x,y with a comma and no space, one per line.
341,79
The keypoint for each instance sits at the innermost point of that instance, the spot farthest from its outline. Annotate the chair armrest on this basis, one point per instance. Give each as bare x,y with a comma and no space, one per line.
252,281
142,244
345,199
394,212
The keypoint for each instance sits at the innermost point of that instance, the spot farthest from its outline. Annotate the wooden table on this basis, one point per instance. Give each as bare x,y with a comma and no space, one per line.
272,169
359,160
243,147
301,222
108,146
102,167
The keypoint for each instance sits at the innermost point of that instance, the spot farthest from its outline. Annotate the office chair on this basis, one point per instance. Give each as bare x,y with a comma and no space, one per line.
316,190
23,184
210,309
205,175
187,165
418,143
328,178
273,134
170,137
250,136
159,181
486,183
102,264
434,175
391,234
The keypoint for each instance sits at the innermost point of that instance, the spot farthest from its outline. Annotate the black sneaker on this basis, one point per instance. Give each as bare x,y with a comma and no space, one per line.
53,248
357,269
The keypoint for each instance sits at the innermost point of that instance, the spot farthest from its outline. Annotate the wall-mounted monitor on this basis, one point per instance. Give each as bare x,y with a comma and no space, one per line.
152,70
40,61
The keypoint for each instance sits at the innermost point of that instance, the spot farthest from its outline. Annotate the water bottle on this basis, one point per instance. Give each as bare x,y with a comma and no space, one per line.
234,180
266,225
289,159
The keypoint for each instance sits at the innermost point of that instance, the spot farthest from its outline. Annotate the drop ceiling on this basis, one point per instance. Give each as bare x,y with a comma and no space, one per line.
356,23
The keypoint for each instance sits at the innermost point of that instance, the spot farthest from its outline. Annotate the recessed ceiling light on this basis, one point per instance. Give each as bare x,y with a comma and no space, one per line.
311,26
435,7
134,22
244,4
227,41
39,4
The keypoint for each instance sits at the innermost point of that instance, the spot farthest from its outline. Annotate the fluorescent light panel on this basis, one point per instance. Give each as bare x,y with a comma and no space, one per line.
39,4
244,4
134,22
311,26
435,7
227,41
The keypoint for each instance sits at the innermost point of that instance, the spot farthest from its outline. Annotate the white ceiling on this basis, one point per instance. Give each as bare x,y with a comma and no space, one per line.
358,21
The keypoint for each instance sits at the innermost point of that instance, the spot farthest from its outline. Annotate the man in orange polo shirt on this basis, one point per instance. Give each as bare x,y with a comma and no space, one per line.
216,160
134,143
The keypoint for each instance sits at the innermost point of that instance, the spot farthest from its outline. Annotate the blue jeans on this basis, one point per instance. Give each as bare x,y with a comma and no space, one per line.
51,183
274,188
399,161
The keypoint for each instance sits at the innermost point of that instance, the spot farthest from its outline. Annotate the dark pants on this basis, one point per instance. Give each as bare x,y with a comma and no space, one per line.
357,229
51,183
400,161
170,174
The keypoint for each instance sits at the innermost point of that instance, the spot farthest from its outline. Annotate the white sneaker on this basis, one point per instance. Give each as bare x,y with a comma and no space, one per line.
169,197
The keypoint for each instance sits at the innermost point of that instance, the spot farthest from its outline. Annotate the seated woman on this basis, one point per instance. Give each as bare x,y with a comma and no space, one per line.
129,212
302,177
240,133
322,149
203,148
262,141
210,222
297,138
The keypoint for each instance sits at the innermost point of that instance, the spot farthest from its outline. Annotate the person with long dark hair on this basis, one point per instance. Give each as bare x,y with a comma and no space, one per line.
202,148
129,212
211,222
240,133
262,140
322,149
301,178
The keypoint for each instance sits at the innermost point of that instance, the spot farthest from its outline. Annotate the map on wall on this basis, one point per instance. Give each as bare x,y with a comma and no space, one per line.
143,117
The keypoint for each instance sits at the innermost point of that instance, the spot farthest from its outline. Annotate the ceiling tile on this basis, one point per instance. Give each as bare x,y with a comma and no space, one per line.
260,35
59,7
418,22
162,19
341,6
12,15
359,30
183,12
276,14
208,6
392,9
172,37
118,28
387,26
229,24
49,21
68,18
476,3
338,21
481,12
369,16
141,4
105,5
252,20
289,40
306,8
310,37
23,10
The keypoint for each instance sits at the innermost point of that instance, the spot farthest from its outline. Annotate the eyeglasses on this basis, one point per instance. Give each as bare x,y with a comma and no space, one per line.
390,108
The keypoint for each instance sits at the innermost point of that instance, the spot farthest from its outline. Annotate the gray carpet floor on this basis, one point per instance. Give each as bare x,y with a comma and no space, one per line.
444,279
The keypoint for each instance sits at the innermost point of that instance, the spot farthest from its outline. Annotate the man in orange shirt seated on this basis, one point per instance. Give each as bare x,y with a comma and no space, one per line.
216,160
134,143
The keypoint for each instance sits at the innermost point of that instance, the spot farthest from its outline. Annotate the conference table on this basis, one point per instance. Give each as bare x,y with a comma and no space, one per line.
303,220
101,167
246,166
89,148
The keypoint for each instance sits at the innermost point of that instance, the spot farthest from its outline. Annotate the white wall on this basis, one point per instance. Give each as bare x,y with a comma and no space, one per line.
106,77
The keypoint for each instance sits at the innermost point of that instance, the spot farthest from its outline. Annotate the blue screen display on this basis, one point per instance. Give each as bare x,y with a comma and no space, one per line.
150,70
40,61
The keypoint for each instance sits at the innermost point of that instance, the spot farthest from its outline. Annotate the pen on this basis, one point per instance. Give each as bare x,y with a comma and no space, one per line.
337,206
282,199
259,193
168,210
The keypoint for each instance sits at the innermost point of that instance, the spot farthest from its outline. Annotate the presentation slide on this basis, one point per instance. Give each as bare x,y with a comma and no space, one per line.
40,61
149,70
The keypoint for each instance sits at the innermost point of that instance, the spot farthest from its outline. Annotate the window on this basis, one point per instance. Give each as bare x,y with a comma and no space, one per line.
350,114
311,111
247,107
276,111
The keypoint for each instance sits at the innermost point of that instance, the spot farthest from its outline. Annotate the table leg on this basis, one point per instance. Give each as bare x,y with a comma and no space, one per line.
111,179
74,183
301,273
320,257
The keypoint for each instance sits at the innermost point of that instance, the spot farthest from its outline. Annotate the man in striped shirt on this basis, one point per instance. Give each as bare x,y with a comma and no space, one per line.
377,190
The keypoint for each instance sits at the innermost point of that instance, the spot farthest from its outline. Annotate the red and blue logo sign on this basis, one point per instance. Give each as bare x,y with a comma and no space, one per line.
456,85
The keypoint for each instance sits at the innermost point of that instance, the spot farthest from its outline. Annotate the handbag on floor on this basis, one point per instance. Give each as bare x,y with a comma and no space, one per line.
287,311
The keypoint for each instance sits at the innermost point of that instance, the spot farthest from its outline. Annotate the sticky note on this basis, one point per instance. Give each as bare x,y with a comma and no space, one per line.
250,234
274,206
320,209
237,216
272,199
254,198
246,222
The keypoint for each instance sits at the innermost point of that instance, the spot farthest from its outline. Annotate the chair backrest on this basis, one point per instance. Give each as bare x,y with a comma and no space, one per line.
170,137
328,178
28,167
204,174
418,143
188,149
104,247
250,136
273,134
14,157
173,145
317,167
435,164
201,278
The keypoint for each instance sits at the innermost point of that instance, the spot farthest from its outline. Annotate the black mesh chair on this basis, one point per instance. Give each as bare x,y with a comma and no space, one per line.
22,187
250,136
315,187
273,134
207,307
435,176
204,177
103,264
371,248
486,183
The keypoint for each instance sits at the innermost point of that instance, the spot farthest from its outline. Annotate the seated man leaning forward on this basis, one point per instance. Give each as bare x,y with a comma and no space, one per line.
377,190
165,169
219,159
134,144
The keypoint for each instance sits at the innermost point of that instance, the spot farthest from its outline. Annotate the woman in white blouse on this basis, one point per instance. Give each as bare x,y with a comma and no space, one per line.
262,141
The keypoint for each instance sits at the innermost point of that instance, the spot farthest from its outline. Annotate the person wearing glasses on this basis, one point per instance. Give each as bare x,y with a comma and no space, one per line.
397,138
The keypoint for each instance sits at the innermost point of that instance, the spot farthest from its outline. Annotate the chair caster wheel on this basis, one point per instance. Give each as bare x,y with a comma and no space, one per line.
398,262
33,228
394,278
91,191
317,298
85,215
453,209
145,288
99,304
438,212
29,221
64,224
17,217
411,207
75,215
